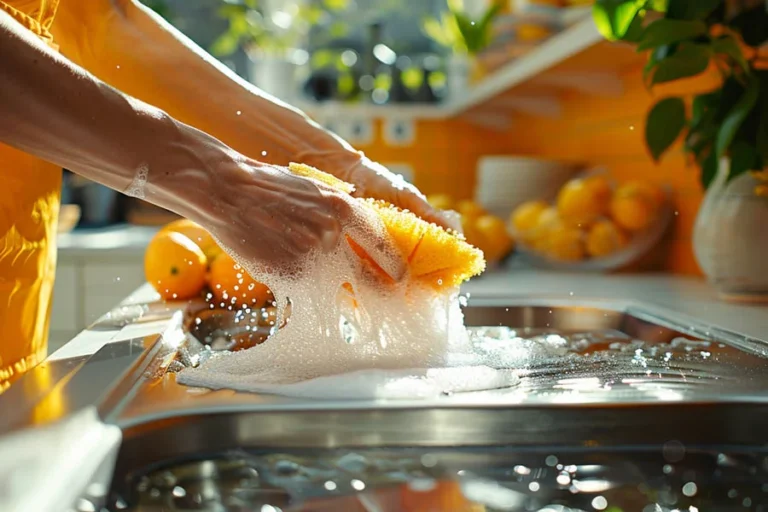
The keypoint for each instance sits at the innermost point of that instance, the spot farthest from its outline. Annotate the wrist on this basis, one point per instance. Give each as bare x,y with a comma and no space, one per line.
181,171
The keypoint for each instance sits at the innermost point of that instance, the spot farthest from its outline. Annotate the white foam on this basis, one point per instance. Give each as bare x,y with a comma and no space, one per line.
381,341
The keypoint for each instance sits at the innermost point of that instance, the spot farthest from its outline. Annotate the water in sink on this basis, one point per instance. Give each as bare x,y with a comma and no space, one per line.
670,478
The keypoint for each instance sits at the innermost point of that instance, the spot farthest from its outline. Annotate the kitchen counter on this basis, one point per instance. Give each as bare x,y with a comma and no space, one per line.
119,239
683,297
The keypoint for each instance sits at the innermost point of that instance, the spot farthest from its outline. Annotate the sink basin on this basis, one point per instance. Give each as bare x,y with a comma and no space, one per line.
618,389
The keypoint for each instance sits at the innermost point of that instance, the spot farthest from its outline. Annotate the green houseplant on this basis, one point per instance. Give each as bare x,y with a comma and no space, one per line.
464,36
725,130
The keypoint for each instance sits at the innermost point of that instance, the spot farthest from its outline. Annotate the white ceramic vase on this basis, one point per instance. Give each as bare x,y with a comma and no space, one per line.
730,238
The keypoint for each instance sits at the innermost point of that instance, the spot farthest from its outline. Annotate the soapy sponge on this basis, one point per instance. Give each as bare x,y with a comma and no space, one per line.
435,256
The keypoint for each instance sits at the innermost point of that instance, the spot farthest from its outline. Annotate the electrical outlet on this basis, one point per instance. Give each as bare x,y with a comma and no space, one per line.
399,132
358,132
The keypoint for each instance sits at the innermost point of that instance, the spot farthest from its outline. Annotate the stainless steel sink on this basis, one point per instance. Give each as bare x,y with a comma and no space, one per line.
628,377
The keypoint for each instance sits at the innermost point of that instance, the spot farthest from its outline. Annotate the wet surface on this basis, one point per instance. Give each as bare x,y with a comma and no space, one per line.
666,478
565,359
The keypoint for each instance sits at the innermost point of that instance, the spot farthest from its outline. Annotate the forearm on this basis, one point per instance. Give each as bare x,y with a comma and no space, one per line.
56,111
146,57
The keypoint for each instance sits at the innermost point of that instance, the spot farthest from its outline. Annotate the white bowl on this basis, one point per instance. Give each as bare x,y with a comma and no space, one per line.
504,182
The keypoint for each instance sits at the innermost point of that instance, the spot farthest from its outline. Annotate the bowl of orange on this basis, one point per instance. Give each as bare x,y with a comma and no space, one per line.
594,224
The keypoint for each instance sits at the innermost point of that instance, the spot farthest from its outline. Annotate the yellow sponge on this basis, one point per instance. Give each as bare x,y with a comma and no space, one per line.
435,256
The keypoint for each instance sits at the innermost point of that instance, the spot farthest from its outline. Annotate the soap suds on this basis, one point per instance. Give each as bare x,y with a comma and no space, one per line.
351,335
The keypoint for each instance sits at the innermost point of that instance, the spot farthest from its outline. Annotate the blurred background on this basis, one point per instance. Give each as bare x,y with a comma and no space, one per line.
499,109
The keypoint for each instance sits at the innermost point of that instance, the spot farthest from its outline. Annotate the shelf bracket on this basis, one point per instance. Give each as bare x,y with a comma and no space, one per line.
542,106
598,83
488,119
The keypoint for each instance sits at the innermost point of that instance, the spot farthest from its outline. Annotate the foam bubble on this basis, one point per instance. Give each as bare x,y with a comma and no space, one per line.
346,333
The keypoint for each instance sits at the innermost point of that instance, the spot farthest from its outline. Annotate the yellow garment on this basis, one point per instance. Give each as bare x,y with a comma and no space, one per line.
29,209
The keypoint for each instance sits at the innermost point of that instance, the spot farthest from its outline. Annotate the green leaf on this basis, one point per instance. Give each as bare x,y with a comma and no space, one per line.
743,158
663,32
656,56
690,60
613,18
709,170
226,44
635,31
762,130
736,117
691,9
727,45
703,105
665,122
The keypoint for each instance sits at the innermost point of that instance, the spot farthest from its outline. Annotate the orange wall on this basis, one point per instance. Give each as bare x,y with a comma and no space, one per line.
594,129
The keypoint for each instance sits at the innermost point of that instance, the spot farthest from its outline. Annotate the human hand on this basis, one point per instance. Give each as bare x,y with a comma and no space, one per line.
266,214
374,180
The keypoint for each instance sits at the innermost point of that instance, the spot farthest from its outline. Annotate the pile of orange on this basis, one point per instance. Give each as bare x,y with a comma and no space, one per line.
590,218
183,261
485,231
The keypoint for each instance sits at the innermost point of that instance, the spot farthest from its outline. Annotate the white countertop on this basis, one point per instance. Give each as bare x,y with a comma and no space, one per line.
120,239
683,297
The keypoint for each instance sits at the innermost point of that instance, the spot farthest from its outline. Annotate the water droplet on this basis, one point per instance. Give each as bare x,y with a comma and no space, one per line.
179,492
357,485
551,461
570,293
238,112
534,486
632,127
522,470
599,503
690,489
747,502
564,479
667,469
673,451
118,66
263,153
330,485
733,493
428,460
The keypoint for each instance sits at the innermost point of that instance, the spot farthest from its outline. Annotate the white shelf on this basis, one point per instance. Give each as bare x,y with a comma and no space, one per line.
558,48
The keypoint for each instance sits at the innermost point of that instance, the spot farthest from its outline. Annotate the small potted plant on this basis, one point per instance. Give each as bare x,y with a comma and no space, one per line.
270,32
725,129
464,36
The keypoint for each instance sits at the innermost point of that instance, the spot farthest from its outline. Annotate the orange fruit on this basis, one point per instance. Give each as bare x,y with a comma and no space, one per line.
496,241
526,216
469,209
546,222
584,200
635,205
440,201
565,243
197,234
232,286
175,266
605,238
